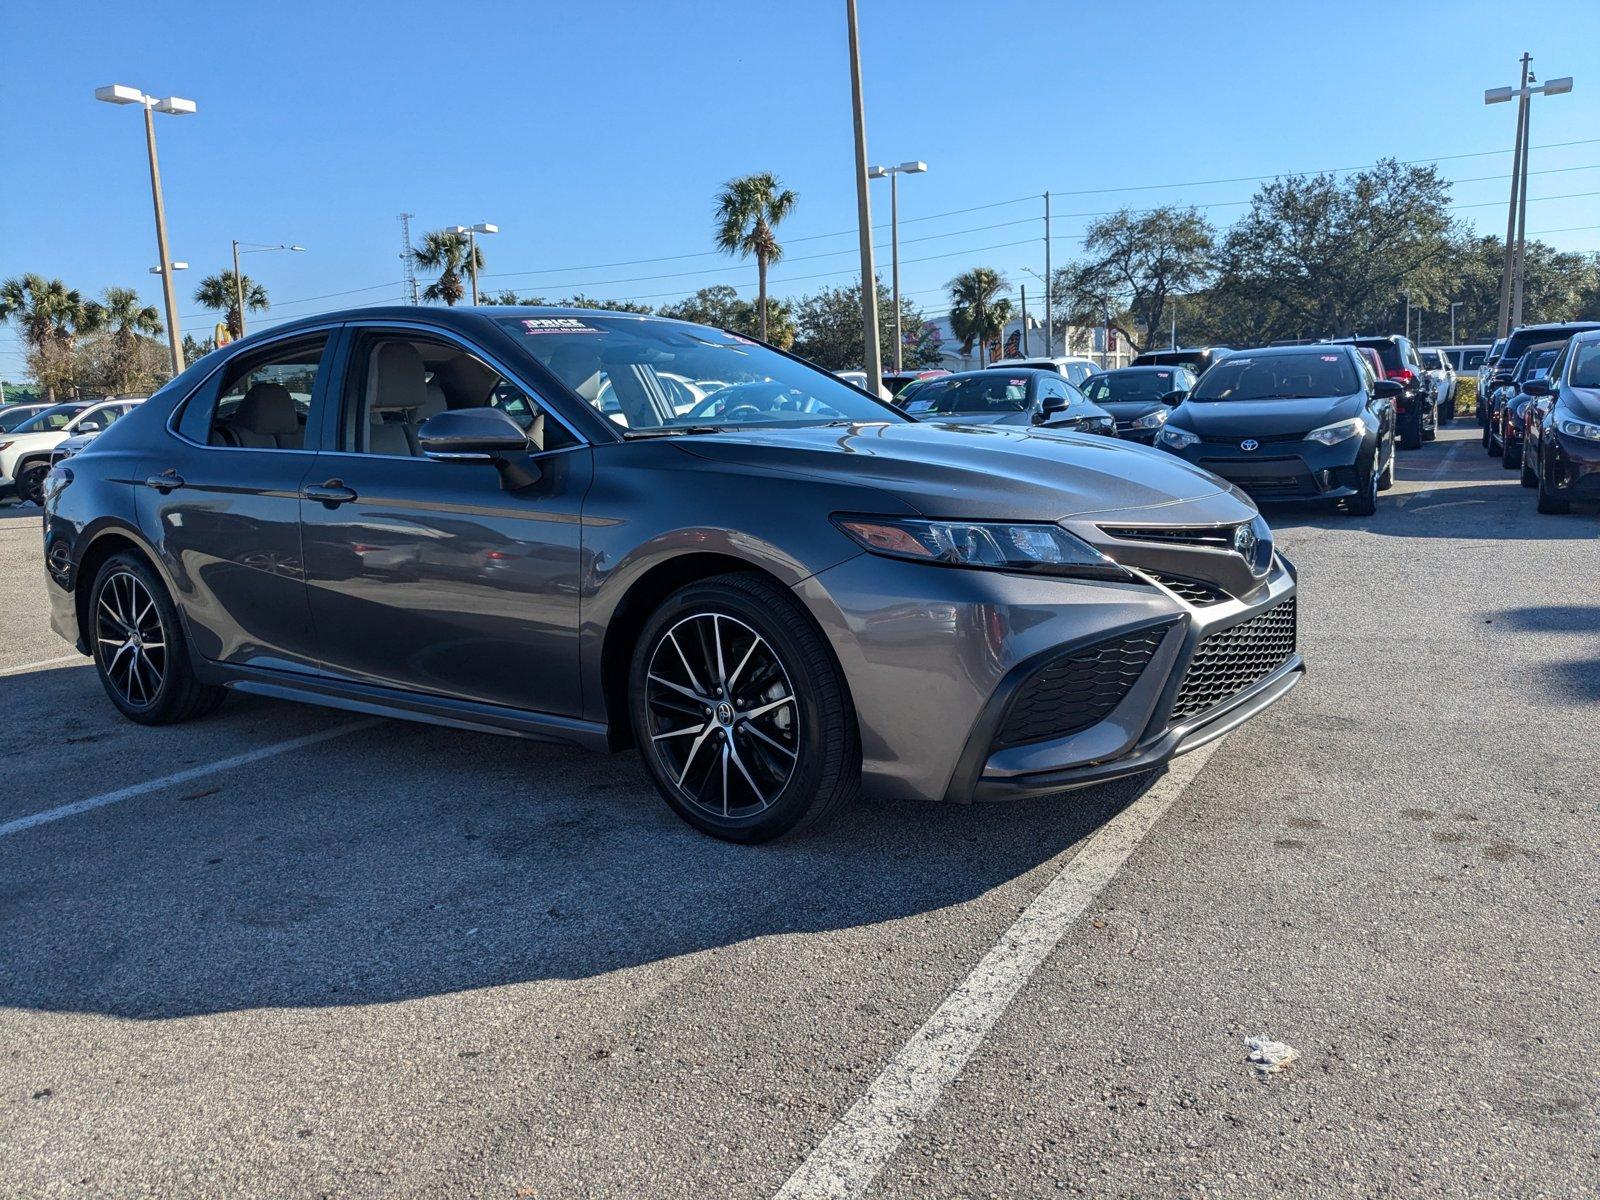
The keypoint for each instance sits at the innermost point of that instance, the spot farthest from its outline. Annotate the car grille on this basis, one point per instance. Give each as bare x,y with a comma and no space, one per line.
1191,590
1233,659
1218,536
1079,689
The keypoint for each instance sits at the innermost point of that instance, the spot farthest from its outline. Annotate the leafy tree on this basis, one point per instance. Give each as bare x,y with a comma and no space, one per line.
748,210
127,322
51,316
978,310
1134,263
216,292
576,301
447,253
1319,256
106,363
831,332
721,306
197,348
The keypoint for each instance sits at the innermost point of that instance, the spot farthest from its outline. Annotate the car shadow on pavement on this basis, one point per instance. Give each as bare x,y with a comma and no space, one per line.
407,862
1575,679
1474,512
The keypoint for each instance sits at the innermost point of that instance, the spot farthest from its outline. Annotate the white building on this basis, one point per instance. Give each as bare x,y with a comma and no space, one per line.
1077,339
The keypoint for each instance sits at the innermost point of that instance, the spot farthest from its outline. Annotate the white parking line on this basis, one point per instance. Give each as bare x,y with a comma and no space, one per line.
45,662
155,785
1437,475
849,1158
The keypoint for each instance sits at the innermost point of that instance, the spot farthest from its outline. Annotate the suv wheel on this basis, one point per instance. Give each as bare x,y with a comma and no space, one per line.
139,650
740,713
30,482
1410,428
1430,422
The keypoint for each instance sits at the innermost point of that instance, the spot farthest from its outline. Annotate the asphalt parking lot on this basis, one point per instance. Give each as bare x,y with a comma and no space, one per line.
400,961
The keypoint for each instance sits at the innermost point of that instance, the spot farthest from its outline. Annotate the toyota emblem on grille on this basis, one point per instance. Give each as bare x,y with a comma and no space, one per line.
1244,542
1249,444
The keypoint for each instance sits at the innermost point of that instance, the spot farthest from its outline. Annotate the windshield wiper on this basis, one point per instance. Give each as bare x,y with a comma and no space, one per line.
670,431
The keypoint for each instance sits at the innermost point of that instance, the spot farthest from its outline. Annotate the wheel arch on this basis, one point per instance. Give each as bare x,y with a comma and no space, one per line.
102,546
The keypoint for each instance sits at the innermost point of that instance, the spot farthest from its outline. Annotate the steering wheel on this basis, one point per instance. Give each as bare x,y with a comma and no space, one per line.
741,409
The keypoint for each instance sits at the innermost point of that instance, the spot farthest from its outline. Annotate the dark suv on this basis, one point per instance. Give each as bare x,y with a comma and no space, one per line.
1417,407
1196,358
1498,371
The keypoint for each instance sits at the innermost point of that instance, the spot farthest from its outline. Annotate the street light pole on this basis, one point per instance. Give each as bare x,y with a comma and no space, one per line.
1049,321
238,279
1454,304
472,232
117,93
1517,215
893,174
872,356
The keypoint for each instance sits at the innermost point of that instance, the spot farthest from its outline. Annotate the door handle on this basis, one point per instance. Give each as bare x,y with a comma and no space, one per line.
331,493
165,482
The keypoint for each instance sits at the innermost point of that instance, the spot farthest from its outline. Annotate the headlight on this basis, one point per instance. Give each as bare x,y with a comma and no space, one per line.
1175,438
1339,431
1573,427
1153,420
1000,546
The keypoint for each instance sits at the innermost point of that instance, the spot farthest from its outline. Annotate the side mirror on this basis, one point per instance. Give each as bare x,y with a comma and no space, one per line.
480,435
1388,389
1053,406
1175,398
1537,387
91,425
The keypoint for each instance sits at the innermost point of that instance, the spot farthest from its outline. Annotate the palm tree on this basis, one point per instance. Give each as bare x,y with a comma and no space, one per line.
125,318
50,315
217,292
978,312
747,211
446,253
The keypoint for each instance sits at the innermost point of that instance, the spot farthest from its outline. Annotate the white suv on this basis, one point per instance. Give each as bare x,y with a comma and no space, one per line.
1075,368
25,451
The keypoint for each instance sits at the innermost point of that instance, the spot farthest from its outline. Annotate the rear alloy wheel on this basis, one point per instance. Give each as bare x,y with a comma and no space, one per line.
1550,500
740,712
139,649
30,483
1365,502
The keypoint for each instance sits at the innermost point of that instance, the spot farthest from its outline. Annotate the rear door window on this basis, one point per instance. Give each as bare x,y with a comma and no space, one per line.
261,401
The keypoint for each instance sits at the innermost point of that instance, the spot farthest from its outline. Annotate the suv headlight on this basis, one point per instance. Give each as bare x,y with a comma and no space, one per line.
1174,438
1573,427
1339,431
995,545
1153,420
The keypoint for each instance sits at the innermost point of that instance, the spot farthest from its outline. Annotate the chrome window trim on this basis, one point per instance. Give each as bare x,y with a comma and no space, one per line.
449,335
266,344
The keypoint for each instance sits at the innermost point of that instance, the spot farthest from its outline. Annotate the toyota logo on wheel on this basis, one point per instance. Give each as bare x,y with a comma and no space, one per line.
1249,444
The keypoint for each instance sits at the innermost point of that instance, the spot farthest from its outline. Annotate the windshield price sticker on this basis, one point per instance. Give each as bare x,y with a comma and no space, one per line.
1330,358
556,325
919,406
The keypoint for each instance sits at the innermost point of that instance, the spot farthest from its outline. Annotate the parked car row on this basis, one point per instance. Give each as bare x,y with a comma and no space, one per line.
26,449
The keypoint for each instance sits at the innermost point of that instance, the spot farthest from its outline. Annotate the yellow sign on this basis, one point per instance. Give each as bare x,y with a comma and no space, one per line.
222,334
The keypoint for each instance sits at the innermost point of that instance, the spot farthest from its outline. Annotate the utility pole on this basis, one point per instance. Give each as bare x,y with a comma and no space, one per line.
872,356
408,257
238,288
1049,320
168,294
1503,323
1174,323
1024,291
1454,304
1522,207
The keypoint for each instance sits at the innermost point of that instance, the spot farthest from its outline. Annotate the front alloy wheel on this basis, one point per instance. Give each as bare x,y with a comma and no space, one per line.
740,711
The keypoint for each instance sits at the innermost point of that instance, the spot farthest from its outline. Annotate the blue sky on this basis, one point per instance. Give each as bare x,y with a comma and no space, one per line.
596,134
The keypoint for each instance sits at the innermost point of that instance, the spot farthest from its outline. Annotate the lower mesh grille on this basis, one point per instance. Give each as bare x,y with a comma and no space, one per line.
1228,662
1075,691
1191,590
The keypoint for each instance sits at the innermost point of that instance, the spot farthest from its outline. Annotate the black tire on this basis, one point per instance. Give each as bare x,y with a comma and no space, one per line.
1430,423
1510,456
130,616
1449,413
1386,480
780,790
30,482
1410,429
1550,500
1491,443
1365,502
1528,479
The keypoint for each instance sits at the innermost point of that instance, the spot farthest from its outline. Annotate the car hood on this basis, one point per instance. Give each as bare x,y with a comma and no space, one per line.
973,471
1263,418
1583,403
1130,410
972,418
32,441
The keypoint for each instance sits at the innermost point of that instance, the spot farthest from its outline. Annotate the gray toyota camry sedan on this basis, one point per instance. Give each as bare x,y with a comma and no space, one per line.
622,531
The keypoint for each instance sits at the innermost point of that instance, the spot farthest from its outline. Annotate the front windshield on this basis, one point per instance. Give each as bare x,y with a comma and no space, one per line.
996,393
51,419
1121,386
1586,365
1278,377
661,376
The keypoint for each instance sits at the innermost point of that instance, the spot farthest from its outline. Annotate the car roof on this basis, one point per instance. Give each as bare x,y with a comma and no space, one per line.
998,369
1144,368
461,318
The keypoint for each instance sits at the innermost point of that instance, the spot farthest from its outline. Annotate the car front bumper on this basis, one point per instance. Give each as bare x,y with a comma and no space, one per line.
937,681
1297,470
1577,467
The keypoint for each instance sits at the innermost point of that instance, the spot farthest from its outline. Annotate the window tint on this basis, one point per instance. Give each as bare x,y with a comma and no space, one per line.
51,419
396,382
1586,366
1261,376
261,402
1118,386
971,394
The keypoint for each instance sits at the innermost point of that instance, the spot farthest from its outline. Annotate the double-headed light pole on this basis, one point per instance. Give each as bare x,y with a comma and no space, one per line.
238,279
892,174
472,232
175,106
1517,216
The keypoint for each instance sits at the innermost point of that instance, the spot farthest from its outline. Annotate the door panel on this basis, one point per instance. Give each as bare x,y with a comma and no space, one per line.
434,578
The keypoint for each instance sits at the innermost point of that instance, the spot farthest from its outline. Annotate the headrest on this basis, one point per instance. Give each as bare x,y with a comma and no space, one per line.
268,409
399,380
